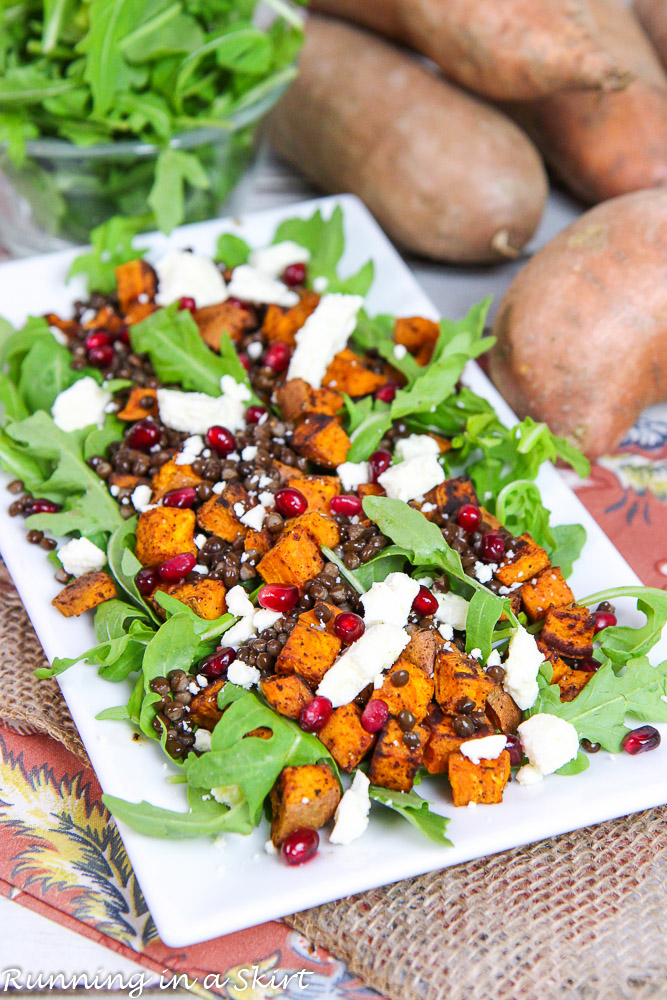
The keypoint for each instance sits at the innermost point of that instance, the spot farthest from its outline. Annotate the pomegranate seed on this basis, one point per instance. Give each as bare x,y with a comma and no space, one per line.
177,568
245,361
468,517
185,497
603,619
300,846
515,750
237,303
492,547
315,715
348,627
277,357
425,603
42,506
216,664
186,302
146,581
220,440
378,463
346,504
278,596
254,414
143,435
291,502
386,393
101,356
375,715
588,664
123,335
641,740
295,274
98,338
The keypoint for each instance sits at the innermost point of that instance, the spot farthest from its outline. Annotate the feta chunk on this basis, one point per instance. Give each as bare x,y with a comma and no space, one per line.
274,259
415,445
352,812
486,748
238,602
202,740
483,571
400,350
320,284
521,668
353,474
548,743
322,336
412,478
390,601
249,452
190,451
181,273
80,556
251,285
377,649
452,610
240,632
83,404
194,412
494,659
254,518
264,618
243,674
141,498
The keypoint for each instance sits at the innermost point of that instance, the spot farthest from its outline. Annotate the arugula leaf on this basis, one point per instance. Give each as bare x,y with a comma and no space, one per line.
377,334
580,763
174,169
205,817
325,239
569,542
370,431
112,245
124,565
110,21
19,464
620,642
415,810
389,560
45,372
232,250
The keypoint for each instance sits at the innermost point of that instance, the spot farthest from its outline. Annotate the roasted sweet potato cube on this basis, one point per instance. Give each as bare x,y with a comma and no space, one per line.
459,676
547,590
287,694
281,324
297,399
521,562
223,317
262,733
173,477
345,738
443,740
572,682
415,695
67,326
419,335
422,648
84,593
258,541
321,439
371,490
394,764
125,481
449,496
205,597
304,796
295,558
569,631
139,311
488,522
503,711
484,782
219,516
350,373
135,409
204,709
309,651
318,491
164,532
286,471
324,529
105,318
137,282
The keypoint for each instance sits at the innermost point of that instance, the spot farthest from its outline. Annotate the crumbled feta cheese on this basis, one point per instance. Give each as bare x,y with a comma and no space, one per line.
81,556
452,610
114,490
352,812
190,451
446,631
390,601
141,498
254,518
251,285
59,336
427,508
264,618
255,350
243,674
400,350
200,540
415,445
377,649
274,259
83,404
529,775
521,668
249,452
486,748
320,284
181,273
353,474
494,659
409,479
322,336
270,848
218,487
483,571
240,632
548,742
267,499
202,740
477,653
194,412
238,602
200,568
265,481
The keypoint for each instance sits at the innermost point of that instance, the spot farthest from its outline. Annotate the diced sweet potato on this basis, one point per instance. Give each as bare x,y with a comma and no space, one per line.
569,631
134,408
310,649
125,481
503,711
137,283
572,682
419,335
286,471
350,373
304,796
444,740
205,597
296,399
173,477
345,738
295,558
449,496
322,439
488,522
281,324
287,694
548,590
324,529
84,593
67,326
484,782
459,676
164,532
415,695
262,733
218,515
223,317
204,709
394,764
139,311
371,490
422,648
318,491
521,562
258,541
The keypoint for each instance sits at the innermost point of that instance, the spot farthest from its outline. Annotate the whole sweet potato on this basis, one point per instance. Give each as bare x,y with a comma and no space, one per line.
606,144
444,174
653,16
505,49
582,331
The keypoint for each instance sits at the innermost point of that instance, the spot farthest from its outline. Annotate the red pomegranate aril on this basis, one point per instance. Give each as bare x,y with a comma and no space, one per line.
492,547
378,463
186,302
290,502
220,440
468,517
42,506
295,274
277,357
315,715
185,497
146,581
603,619
144,435
245,360
278,596
348,627
425,603
123,335
515,750
98,338
300,846
177,568
386,393
346,504
375,715
588,664
216,664
237,303
641,740
254,414
101,356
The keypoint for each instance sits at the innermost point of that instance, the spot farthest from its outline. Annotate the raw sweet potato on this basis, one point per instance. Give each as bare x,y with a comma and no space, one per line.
362,116
514,49
653,16
582,331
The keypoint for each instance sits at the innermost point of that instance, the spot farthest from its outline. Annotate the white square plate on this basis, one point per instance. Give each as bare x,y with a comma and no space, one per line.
224,890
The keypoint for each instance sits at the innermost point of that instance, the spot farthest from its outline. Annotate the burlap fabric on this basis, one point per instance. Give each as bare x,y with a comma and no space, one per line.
579,917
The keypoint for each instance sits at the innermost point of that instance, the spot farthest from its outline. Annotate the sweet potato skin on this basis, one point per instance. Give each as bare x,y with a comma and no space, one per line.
365,118
563,353
84,593
653,17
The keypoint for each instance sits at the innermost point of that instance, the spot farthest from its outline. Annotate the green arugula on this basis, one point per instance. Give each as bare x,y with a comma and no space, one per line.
325,239
112,245
620,642
174,169
124,565
122,646
415,810
231,250
377,334
519,507
205,817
